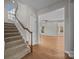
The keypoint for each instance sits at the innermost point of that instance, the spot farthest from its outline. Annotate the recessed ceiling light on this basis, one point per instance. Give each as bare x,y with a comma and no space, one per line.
13,1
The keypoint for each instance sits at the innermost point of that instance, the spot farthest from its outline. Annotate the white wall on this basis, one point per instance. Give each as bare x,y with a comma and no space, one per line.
69,27
51,28
28,18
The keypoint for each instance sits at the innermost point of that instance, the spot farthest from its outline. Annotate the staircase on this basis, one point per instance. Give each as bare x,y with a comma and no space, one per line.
15,48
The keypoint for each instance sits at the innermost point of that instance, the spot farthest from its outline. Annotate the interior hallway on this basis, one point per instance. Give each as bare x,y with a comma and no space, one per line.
49,48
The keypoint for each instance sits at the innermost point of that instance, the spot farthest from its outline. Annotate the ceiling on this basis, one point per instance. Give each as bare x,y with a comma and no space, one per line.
53,15
39,4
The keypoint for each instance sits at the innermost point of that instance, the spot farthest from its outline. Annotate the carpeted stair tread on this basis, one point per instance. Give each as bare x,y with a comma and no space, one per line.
11,34
19,55
13,38
13,50
13,43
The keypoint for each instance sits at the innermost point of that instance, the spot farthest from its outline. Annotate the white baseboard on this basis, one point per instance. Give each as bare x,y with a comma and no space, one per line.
70,53
36,43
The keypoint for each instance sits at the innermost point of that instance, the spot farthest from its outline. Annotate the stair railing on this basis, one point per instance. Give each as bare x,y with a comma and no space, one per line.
23,26
26,30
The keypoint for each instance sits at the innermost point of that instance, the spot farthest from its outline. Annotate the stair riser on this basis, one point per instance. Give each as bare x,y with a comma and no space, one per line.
9,25
12,39
8,31
11,28
9,45
9,35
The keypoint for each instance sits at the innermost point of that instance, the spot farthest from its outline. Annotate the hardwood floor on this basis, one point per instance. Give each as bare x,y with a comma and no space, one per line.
53,42
49,48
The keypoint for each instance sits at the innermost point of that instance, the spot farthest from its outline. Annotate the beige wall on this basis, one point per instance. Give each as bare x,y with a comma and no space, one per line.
6,12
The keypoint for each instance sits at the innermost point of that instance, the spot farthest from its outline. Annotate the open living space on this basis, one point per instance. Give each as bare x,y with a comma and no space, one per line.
39,29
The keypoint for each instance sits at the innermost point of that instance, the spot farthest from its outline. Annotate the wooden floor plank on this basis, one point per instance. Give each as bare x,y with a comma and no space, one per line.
49,48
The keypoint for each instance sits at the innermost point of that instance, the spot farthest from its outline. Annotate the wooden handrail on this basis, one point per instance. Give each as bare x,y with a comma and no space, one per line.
25,29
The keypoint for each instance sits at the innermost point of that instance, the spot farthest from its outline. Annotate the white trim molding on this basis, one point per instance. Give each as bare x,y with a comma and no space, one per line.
70,53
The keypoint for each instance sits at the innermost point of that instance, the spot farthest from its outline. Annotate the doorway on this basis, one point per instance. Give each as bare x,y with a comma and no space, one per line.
52,35
52,32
